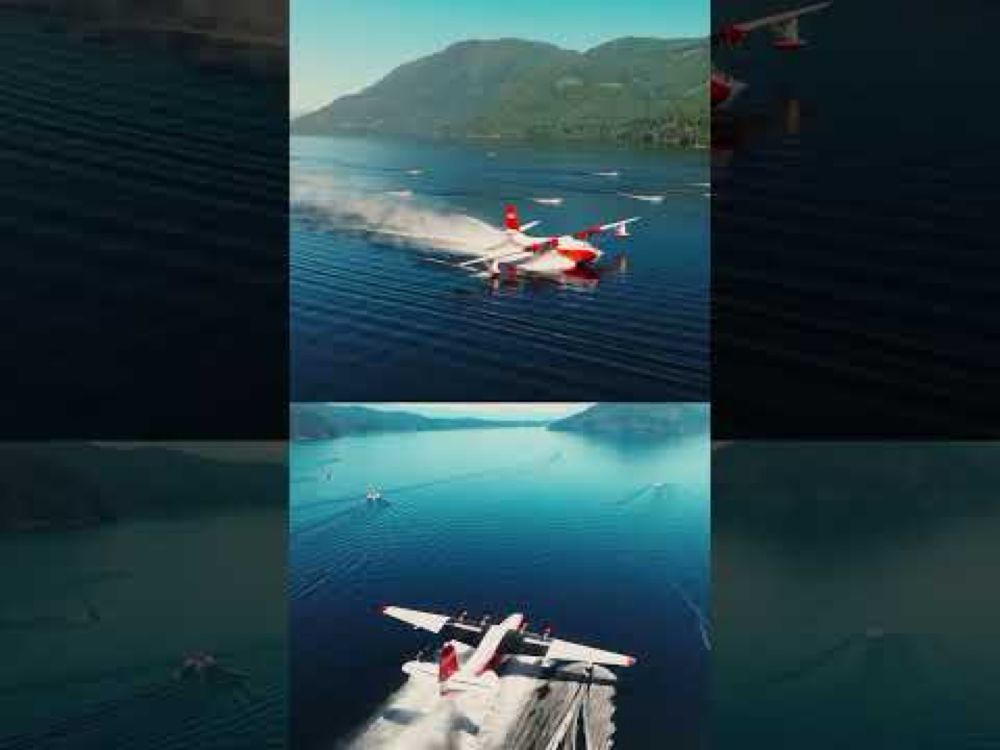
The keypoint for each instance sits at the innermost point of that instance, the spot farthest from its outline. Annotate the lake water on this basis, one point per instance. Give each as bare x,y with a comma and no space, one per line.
564,528
94,624
852,238
371,321
146,225
877,630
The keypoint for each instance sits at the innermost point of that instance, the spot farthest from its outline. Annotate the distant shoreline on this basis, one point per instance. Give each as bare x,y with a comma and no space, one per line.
509,141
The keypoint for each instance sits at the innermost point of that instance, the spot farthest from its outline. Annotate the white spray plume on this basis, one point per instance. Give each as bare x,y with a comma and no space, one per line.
388,219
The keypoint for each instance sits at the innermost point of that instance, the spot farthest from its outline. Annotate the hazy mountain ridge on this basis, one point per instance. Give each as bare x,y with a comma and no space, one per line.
637,420
633,89
827,493
61,486
326,421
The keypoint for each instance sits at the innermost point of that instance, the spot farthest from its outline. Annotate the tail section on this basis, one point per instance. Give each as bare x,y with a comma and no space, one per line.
510,219
448,664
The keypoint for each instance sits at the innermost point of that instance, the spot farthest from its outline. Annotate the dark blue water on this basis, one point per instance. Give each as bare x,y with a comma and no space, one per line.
562,528
372,321
144,224
856,247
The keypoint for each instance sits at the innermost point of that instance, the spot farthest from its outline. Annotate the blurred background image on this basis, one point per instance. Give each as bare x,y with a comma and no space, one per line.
144,221
855,599
143,602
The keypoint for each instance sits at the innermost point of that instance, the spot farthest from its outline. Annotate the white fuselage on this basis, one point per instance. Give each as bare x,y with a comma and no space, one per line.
567,254
487,653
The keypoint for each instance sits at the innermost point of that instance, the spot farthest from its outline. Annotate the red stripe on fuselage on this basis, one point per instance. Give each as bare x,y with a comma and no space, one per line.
578,256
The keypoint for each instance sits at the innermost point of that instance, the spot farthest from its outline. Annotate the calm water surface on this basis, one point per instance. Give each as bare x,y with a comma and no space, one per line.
368,316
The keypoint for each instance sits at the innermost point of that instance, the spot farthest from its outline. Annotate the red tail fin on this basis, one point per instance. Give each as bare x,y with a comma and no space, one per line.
448,664
510,219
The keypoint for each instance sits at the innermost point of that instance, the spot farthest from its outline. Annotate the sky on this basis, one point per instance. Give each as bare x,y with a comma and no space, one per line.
339,46
541,411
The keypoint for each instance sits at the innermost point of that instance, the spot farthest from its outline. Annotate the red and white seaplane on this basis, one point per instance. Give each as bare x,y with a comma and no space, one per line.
475,649
723,88
555,256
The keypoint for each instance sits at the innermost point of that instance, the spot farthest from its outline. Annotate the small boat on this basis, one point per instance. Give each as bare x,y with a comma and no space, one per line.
414,172
548,201
372,494
607,174
400,193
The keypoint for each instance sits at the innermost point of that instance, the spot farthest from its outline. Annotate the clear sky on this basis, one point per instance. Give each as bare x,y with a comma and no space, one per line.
340,46
541,411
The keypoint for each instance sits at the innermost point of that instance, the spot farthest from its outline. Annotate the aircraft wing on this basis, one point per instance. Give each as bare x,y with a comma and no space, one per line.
507,256
781,18
449,627
555,649
416,618
568,651
616,226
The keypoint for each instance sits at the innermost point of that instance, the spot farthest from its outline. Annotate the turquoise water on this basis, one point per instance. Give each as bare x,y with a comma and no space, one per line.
564,528
95,622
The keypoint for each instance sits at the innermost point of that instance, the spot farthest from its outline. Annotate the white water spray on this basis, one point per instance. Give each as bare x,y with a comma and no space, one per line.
389,220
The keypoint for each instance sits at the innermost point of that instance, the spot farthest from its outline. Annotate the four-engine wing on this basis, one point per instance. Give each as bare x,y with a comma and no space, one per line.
785,26
567,651
555,649
456,628
615,227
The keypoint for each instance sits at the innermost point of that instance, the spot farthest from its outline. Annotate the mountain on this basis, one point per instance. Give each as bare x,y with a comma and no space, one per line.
635,90
75,485
250,35
827,493
636,420
324,421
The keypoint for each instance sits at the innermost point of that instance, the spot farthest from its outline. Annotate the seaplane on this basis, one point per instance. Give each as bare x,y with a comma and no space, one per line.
520,254
724,88
475,649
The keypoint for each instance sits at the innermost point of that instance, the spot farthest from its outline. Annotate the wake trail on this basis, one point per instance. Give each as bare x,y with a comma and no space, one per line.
390,220
355,497
703,623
